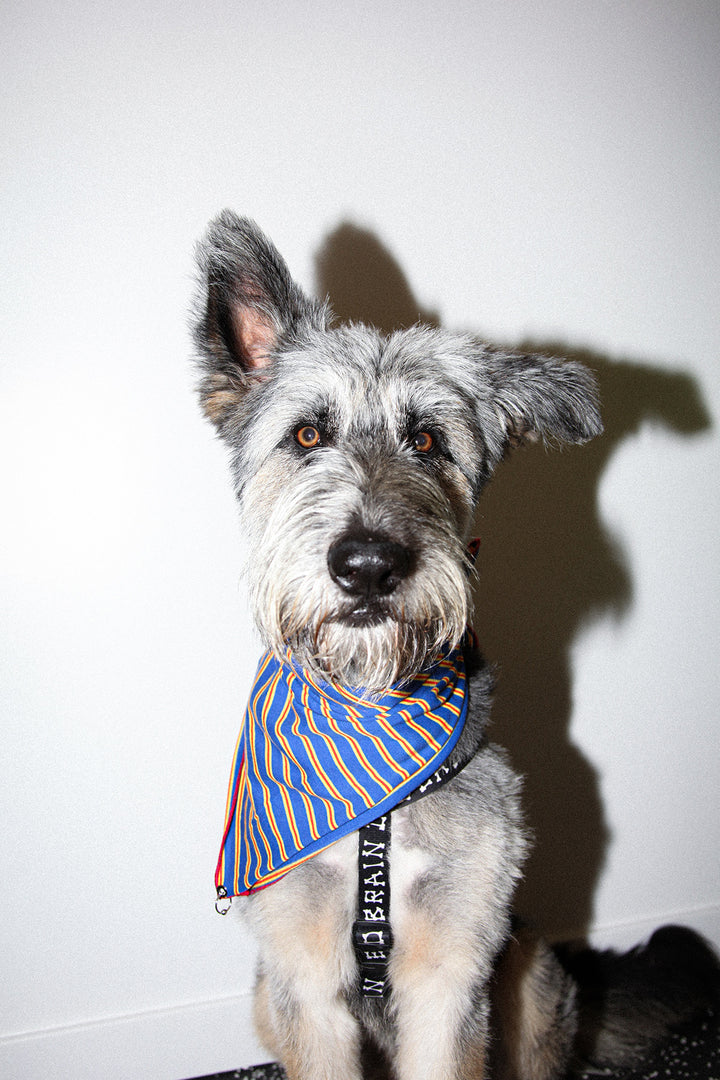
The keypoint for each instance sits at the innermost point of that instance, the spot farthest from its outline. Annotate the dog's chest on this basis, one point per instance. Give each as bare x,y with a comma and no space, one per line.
406,865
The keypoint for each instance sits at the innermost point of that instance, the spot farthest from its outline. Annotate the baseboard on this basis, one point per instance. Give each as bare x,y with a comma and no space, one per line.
213,1036
167,1044
623,935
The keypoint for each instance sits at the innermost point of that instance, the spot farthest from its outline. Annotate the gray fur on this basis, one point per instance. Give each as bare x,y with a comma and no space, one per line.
343,440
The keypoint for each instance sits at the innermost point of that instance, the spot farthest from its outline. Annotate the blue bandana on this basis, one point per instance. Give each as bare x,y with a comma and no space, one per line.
314,762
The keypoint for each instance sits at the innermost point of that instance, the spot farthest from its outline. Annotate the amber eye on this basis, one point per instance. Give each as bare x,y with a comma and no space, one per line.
307,436
423,442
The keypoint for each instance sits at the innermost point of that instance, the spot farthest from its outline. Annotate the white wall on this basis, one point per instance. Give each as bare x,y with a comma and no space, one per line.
536,170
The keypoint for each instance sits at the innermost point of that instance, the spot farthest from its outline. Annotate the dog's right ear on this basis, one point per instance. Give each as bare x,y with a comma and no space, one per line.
248,305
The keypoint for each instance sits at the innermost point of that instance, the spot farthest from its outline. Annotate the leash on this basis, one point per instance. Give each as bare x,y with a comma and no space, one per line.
371,933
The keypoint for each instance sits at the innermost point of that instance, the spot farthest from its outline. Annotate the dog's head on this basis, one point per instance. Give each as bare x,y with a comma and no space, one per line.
358,459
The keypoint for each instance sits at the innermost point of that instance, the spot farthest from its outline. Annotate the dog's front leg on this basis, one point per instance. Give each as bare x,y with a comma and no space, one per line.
304,923
312,1034
442,1009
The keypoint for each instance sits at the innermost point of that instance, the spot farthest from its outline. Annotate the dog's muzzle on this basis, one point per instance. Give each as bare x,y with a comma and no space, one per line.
369,568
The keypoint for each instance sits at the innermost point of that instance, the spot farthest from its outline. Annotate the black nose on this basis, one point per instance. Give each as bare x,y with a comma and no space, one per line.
364,565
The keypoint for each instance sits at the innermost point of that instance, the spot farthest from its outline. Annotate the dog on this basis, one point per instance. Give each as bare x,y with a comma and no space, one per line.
358,460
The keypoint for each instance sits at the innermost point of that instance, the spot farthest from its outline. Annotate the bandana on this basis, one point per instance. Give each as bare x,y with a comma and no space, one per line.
315,761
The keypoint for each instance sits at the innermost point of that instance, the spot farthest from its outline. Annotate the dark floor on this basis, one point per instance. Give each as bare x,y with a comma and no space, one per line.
692,1054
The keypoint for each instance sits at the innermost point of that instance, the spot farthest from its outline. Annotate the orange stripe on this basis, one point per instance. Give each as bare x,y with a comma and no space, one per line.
331,788
253,831
307,742
356,750
429,738
435,712
287,758
380,745
250,841
258,687
290,816
273,685
407,747
325,708
289,811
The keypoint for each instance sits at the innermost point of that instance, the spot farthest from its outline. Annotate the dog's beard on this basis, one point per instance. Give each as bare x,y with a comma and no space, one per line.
379,656
310,616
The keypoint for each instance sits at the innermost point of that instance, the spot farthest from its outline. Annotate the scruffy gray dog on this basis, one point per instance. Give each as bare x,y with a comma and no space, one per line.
358,460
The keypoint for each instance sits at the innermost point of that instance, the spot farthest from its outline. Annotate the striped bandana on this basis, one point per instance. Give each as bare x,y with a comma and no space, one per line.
314,762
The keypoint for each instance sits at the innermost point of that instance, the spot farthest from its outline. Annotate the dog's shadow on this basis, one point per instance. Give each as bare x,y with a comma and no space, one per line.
547,565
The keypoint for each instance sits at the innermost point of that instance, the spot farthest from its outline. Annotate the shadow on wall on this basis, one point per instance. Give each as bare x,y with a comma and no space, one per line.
547,565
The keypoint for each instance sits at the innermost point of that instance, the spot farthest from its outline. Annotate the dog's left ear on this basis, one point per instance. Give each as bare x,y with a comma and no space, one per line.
538,397
248,306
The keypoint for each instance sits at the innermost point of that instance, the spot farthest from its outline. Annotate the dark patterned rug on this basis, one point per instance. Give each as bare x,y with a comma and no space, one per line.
690,1054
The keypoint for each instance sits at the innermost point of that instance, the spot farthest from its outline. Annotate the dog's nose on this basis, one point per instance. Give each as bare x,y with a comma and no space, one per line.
368,566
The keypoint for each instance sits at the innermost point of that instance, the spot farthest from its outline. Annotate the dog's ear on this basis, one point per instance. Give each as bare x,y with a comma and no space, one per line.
248,304
539,397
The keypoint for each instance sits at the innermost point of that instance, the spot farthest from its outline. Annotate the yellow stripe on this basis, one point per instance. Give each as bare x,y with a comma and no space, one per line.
325,708
416,726
287,758
435,713
251,832
250,841
272,689
289,812
311,753
356,750
381,748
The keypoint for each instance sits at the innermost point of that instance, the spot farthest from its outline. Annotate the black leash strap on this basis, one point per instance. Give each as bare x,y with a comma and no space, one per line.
372,935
